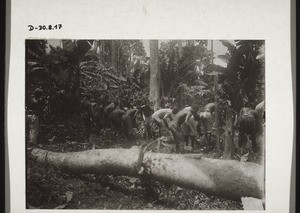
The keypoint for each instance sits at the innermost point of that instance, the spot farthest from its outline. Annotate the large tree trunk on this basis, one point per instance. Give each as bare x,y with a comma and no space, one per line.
180,48
95,46
155,77
102,51
229,134
225,178
217,144
216,91
113,53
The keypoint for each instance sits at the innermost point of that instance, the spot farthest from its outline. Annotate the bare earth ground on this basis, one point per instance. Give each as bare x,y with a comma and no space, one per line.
49,188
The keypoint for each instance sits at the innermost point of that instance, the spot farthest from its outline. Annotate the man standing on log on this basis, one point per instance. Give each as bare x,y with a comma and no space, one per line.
34,115
182,117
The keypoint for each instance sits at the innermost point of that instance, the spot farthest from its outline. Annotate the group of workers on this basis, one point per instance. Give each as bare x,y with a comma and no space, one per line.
184,124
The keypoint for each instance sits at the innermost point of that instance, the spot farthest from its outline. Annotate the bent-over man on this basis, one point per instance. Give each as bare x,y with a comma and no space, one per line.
158,118
146,112
170,116
107,111
248,126
129,121
116,118
206,119
181,117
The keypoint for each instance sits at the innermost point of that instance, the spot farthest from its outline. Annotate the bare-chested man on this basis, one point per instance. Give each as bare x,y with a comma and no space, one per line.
210,107
170,116
107,111
248,126
129,121
206,118
181,117
189,131
116,118
158,116
146,112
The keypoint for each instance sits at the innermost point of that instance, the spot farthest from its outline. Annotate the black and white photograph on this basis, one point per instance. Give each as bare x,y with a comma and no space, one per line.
159,124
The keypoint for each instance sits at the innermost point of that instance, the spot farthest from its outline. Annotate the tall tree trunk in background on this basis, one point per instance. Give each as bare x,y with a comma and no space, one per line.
130,70
155,77
102,51
113,53
95,46
229,134
216,90
180,48
217,144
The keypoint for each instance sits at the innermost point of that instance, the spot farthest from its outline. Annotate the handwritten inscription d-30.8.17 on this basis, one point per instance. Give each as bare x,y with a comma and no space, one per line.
45,27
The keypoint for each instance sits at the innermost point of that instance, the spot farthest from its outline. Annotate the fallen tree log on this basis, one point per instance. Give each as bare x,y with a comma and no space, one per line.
226,178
